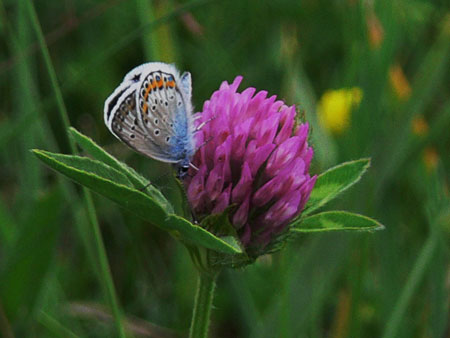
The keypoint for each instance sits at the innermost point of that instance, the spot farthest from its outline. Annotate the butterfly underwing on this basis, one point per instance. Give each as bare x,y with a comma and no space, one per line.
151,111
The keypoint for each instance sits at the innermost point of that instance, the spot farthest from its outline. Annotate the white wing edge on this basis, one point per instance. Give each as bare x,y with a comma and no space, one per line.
150,67
127,91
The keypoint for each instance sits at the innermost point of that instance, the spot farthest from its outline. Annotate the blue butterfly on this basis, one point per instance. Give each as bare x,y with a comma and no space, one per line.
151,111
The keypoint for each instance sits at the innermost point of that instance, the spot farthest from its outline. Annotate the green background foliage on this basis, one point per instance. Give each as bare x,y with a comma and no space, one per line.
390,283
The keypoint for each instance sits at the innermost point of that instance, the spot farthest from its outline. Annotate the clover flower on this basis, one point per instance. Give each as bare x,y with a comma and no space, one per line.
254,157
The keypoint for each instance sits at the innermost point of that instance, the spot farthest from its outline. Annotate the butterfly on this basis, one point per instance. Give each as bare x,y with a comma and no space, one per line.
151,112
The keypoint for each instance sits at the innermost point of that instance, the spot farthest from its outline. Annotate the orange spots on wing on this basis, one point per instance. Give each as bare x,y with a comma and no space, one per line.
158,84
150,87
147,91
145,108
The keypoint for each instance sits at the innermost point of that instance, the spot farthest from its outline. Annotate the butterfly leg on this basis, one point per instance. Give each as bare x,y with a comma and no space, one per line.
201,125
206,142
193,166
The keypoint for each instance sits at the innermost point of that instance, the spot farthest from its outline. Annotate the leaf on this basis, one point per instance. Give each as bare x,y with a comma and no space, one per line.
101,179
335,220
197,233
88,165
97,152
334,181
219,224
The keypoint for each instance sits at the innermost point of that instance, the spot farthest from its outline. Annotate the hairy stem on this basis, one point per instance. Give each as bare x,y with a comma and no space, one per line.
202,306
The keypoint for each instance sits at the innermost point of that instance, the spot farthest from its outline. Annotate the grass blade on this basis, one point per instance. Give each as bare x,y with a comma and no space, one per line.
107,284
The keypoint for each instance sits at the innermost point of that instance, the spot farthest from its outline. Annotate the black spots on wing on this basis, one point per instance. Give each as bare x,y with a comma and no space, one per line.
117,126
136,78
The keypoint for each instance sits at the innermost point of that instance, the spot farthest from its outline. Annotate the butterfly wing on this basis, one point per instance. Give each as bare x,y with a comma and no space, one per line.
164,112
122,119
151,112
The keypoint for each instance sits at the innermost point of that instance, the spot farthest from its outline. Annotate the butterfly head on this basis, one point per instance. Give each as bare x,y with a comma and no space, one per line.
182,168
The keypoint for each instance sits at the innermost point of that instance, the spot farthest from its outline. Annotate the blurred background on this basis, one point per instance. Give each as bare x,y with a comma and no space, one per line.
372,77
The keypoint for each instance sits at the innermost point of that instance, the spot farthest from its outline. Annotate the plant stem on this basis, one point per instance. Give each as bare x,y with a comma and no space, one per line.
202,306
105,272
416,276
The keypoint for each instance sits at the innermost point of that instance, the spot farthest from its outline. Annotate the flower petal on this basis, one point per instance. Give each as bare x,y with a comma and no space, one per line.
244,186
241,215
222,201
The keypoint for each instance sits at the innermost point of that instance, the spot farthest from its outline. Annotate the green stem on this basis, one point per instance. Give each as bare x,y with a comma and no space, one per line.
202,305
416,276
107,281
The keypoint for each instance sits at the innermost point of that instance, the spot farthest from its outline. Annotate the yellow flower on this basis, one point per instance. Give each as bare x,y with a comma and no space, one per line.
335,106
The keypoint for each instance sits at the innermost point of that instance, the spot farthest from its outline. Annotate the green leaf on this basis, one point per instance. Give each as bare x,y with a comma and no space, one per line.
335,220
334,181
97,152
114,185
220,225
197,233
88,165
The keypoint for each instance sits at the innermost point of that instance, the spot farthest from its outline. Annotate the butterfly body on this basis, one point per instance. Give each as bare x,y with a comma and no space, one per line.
151,112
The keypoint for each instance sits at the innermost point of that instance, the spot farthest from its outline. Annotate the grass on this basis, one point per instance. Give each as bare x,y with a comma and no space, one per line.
58,278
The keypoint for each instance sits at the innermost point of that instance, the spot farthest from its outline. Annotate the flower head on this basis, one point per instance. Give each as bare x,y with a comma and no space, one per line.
252,155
